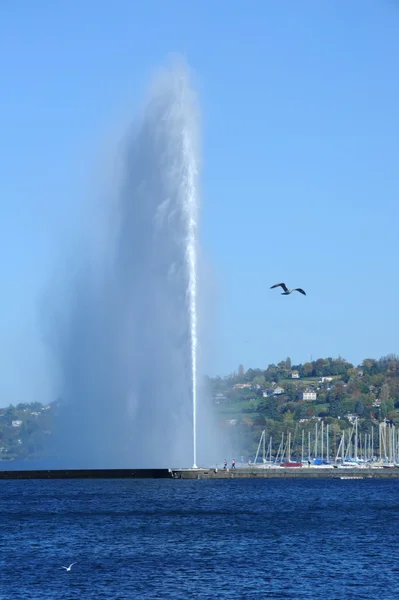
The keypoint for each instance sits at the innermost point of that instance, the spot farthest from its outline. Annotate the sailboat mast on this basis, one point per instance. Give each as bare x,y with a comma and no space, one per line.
356,441
264,442
327,449
372,443
260,441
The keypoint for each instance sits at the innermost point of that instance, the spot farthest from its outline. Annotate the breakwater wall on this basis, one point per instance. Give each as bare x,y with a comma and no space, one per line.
86,474
212,473
286,473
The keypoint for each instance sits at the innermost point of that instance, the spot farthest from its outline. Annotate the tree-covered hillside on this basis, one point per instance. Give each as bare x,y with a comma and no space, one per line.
283,398
25,429
288,398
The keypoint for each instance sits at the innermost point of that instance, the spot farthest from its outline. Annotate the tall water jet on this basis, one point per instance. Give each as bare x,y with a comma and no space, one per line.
192,215
127,353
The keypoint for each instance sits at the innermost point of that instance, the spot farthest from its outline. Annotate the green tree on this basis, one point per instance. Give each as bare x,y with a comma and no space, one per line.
360,409
272,373
335,408
364,389
289,418
319,367
269,408
370,366
282,369
390,405
352,373
384,393
307,369
290,392
300,412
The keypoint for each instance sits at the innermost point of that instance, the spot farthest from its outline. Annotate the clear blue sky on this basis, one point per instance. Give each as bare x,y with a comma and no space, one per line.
300,178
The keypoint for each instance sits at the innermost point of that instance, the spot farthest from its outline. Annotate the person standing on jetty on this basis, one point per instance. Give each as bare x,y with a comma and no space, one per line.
225,464
233,464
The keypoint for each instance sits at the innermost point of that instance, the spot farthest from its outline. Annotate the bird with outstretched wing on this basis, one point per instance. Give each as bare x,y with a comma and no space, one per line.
286,290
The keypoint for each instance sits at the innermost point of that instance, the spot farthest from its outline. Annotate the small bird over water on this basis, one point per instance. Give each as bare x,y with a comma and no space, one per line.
68,568
286,290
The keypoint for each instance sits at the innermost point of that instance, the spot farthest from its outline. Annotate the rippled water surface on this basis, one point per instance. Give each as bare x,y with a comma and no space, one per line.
199,539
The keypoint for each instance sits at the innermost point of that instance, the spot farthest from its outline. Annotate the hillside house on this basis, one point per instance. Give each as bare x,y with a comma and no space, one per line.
309,396
295,375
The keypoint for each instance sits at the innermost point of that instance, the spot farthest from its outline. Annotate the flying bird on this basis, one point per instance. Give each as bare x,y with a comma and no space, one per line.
68,568
286,290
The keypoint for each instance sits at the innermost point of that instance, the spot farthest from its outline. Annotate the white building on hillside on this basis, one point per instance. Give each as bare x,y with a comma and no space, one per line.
309,396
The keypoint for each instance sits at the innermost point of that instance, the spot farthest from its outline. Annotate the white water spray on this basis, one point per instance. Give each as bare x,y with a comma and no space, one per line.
128,353
192,216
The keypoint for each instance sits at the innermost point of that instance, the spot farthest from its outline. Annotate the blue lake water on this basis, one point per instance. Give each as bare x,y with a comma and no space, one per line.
150,539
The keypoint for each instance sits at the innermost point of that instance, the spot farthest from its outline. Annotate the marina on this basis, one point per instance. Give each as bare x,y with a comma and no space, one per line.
307,457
